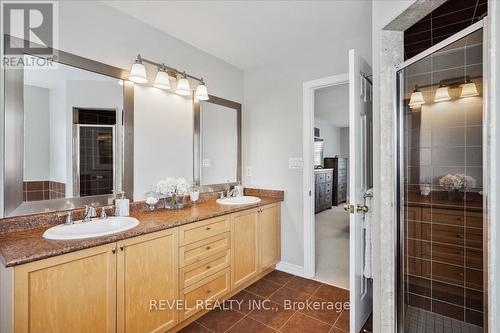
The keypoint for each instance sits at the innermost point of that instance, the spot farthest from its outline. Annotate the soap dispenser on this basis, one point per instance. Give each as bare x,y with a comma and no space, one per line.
239,190
122,205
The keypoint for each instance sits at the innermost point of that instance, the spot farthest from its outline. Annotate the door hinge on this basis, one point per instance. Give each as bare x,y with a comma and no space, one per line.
310,193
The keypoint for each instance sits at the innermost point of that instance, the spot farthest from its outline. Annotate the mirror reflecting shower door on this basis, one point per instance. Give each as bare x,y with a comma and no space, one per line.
441,210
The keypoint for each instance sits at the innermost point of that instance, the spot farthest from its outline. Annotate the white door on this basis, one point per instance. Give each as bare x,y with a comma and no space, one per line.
359,104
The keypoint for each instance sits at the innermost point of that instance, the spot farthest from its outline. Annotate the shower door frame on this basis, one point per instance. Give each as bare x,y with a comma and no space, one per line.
398,165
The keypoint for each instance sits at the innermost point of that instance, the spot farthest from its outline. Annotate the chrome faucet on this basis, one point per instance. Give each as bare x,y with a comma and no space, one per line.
90,212
69,218
104,215
230,193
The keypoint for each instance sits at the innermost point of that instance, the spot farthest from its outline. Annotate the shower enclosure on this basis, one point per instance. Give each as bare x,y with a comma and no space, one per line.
441,201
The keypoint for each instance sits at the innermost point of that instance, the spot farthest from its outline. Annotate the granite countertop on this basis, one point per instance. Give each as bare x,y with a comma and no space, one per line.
22,246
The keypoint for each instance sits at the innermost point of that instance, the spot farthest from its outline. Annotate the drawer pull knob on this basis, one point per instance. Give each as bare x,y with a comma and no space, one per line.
460,236
208,267
460,252
207,228
208,247
113,250
121,247
460,274
208,291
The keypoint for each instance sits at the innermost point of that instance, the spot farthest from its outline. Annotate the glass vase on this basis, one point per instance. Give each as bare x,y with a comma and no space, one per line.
175,201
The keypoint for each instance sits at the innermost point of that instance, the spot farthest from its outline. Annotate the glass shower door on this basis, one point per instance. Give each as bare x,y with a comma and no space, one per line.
440,174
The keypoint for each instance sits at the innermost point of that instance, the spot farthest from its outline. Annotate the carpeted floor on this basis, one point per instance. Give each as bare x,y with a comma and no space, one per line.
332,247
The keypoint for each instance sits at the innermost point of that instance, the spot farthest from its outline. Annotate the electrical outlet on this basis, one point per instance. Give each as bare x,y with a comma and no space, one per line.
205,163
295,163
249,171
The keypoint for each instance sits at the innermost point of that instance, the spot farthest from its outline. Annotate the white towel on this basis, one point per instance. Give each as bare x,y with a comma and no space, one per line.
367,225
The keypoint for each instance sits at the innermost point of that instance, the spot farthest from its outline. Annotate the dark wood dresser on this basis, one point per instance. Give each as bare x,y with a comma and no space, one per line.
339,167
323,184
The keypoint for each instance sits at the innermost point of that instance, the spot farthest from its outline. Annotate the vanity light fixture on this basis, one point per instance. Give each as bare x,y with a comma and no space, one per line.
138,71
183,87
163,77
442,94
469,89
201,91
416,99
162,80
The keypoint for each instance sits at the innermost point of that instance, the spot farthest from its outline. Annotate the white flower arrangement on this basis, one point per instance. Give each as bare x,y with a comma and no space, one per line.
171,186
457,182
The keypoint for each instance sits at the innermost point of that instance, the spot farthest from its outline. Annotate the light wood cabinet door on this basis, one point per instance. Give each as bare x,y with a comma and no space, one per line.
269,236
244,247
148,282
75,292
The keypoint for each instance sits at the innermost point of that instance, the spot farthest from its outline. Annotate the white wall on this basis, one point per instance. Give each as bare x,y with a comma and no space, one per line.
331,136
93,30
37,133
344,142
272,123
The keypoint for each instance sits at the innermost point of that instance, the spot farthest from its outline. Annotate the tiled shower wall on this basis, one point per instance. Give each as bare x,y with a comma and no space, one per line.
448,19
43,190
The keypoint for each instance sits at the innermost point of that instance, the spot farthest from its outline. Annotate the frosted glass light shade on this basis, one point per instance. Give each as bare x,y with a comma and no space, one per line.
138,73
183,87
201,92
162,80
469,90
416,99
442,95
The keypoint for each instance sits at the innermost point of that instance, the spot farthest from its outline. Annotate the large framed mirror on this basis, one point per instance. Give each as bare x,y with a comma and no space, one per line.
69,134
217,144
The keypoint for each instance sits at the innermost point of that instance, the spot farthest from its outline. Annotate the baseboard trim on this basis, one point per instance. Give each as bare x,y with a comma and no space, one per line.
290,268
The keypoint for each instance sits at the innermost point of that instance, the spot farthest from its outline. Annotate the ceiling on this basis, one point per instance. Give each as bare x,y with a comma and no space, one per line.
331,104
250,34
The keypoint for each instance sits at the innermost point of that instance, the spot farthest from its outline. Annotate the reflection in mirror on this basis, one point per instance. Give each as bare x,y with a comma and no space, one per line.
219,148
72,134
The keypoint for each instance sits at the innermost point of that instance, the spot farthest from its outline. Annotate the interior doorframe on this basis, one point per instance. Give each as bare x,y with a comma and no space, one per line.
308,88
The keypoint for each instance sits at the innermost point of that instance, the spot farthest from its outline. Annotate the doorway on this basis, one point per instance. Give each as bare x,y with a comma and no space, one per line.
359,196
331,158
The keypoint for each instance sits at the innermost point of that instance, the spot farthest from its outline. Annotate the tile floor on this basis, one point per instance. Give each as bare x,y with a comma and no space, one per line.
276,288
332,236
422,321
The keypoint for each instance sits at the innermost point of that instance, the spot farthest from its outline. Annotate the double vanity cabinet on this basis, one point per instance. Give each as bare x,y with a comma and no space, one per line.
148,283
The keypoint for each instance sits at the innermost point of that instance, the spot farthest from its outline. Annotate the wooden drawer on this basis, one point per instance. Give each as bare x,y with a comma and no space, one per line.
474,238
474,258
413,213
212,288
320,178
443,234
474,219
200,270
203,249
443,216
194,232
474,279
328,177
443,253
448,273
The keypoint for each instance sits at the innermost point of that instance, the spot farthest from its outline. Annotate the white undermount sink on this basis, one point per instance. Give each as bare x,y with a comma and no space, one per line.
243,200
94,228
